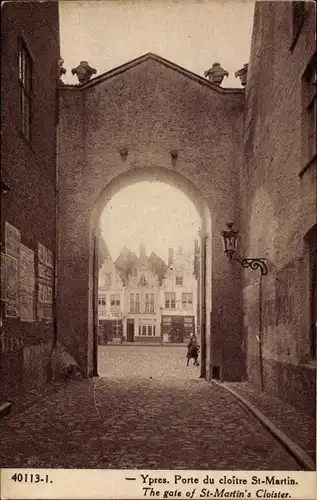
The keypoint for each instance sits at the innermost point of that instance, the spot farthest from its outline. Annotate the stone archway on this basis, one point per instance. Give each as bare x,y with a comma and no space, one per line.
172,126
217,295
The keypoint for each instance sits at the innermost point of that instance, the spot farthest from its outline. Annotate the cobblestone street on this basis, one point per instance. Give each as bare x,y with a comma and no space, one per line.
148,410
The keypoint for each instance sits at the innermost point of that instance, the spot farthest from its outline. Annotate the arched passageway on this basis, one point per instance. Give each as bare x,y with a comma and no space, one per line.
160,178
84,346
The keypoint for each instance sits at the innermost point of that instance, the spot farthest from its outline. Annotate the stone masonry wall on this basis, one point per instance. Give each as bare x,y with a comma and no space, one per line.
28,168
151,109
278,203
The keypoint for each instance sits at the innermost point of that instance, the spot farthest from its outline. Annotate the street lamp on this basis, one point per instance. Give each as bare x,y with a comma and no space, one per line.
230,240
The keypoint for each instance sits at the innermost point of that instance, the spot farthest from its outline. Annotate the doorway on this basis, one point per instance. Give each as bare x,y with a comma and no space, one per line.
130,330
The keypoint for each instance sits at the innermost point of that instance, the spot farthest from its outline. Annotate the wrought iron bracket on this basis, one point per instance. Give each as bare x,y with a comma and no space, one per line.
254,264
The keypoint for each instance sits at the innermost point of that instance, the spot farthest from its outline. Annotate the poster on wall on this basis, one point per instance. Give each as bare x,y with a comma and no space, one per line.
12,241
45,256
11,277
26,307
45,294
27,284
45,283
45,273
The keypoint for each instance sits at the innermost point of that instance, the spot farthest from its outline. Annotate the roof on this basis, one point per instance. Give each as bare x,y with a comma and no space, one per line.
154,57
158,265
103,250
126,261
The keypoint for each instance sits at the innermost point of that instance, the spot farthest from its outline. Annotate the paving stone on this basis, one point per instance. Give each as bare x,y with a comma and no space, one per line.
174,420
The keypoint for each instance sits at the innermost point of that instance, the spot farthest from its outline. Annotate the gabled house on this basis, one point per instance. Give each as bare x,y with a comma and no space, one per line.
179,298
142,308
110,299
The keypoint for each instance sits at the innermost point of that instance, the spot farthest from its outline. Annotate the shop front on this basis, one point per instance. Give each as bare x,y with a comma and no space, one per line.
177,329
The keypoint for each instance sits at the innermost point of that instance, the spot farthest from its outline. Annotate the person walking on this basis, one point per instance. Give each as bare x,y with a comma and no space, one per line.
192,349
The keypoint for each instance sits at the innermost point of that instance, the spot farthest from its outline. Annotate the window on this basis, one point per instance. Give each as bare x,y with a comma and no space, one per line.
115,300
309,110
134,303
149,303
170,300
117,328
25,80
298,11
187,301
147,330
179,278
137,302
102,301
143,281
108,279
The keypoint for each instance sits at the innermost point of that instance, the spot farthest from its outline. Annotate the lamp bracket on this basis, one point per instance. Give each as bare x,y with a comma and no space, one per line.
254,264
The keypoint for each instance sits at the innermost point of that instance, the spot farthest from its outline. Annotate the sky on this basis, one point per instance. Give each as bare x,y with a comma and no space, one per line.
192,34
153,212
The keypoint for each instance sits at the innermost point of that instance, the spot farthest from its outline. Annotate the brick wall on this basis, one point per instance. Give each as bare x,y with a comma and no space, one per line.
28,168
278,203
151,108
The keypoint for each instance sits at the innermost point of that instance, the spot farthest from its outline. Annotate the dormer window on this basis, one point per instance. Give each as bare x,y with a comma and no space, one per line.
179,279
143,281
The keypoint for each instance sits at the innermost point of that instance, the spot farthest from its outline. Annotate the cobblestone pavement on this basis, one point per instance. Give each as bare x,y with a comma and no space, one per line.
298,425
127,419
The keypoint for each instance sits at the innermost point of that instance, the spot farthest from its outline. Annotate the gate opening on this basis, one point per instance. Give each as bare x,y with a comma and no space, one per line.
148,286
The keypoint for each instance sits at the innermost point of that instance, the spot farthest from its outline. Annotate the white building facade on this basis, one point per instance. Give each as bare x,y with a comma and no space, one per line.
141,307
136,307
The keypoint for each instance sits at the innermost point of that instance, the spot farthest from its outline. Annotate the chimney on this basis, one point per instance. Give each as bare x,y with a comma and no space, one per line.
180,250
142,250
170,257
